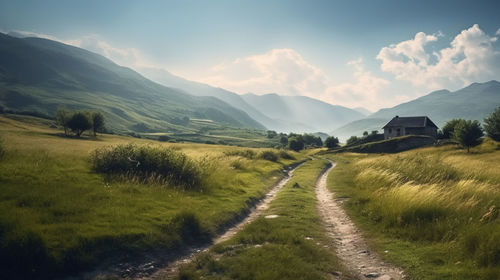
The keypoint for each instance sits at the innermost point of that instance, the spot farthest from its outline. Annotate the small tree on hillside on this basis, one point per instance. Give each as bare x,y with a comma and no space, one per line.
62,118
284,140
449,127
331,142
492,125
271,134
79,122
467,133
97,122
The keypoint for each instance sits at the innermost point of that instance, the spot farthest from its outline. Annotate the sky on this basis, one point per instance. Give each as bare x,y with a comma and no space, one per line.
371,54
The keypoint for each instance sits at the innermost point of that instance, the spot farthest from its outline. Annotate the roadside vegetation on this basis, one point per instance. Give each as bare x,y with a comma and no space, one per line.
64,206
287,242
433,211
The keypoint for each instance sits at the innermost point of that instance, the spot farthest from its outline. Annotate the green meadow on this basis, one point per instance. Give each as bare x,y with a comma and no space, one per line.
433,211
58,215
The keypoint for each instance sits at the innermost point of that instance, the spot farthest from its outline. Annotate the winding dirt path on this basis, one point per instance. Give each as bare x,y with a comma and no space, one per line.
350,246
172,269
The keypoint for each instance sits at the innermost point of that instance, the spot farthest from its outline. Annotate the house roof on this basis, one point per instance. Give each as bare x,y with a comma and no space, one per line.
410,122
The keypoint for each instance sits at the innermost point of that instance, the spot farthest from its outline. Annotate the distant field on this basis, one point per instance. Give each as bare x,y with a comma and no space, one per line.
57,216
433,211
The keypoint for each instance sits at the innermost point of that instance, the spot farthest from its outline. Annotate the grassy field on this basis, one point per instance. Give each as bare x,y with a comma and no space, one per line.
58,216
292,245
433,211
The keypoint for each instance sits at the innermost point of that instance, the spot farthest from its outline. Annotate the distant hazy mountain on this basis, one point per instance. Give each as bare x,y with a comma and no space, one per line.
300,113
281,113
363,111
40,75
474,102
199,89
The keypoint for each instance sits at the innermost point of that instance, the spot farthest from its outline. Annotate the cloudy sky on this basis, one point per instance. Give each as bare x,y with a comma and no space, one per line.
372,54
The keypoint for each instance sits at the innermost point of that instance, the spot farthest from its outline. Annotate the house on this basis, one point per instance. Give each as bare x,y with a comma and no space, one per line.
400,126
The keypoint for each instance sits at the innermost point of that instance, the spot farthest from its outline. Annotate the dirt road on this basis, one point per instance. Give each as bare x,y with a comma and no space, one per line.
350,245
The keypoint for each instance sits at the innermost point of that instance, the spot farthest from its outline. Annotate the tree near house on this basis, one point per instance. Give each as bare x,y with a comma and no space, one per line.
79,122
492,125
97,122
467,133
449,127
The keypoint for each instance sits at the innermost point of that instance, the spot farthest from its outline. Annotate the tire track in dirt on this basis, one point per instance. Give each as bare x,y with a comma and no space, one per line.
172,269
350,245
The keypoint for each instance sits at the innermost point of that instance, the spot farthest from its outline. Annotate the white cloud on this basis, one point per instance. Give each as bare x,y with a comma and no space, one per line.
471,57
279,70
286,72
130,57
498,32
366,90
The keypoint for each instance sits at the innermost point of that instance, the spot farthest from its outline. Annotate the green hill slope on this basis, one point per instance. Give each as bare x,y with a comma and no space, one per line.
40,75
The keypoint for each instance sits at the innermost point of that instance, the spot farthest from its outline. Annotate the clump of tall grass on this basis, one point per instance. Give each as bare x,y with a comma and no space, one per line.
286,155
149,164
269,155
249,154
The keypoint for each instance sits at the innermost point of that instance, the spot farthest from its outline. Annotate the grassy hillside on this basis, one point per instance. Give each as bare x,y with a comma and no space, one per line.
58,216
292,245
433,211
40,75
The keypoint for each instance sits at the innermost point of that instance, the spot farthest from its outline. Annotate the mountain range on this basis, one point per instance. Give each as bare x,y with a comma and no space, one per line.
473,102
38,75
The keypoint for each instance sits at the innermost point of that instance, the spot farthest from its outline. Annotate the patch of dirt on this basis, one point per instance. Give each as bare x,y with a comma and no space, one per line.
350,246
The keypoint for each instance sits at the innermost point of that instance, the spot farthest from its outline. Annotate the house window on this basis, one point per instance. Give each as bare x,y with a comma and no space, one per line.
398,131
390,130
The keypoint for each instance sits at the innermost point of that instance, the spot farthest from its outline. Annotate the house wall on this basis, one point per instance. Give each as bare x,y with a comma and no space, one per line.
401,131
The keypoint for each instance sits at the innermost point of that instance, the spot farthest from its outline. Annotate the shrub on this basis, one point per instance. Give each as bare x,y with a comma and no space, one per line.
269,155
249,154
285,155
353,140
188,226
492,125
163,138
148,164
97,122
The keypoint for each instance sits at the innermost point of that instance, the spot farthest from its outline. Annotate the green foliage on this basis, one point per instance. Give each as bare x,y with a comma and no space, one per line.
62,118
271,134
269,155
467,133
353,140
296,144
149,164
312,141
285,155
331,142
79,122
284,140
492,125
449,128
97,122
163,138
